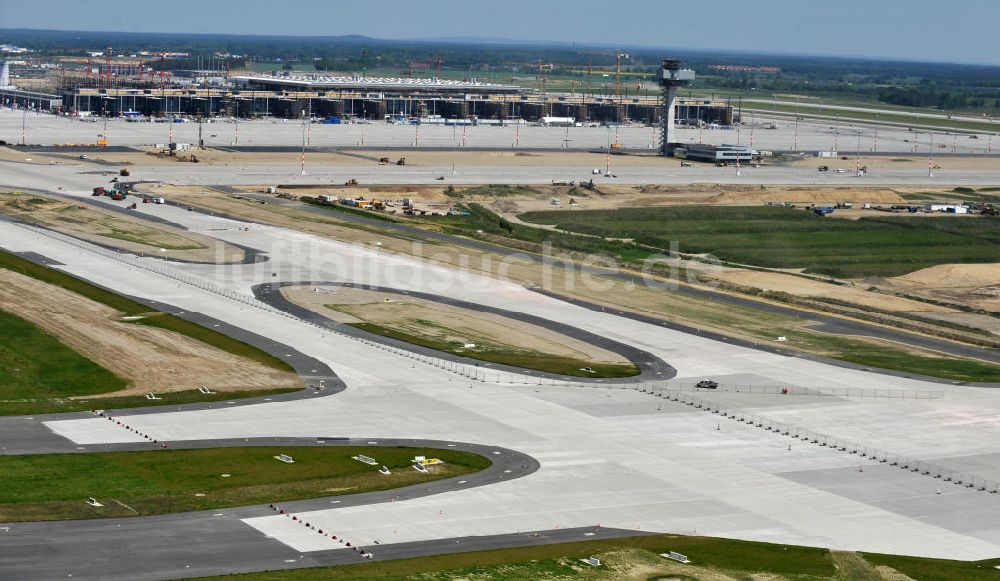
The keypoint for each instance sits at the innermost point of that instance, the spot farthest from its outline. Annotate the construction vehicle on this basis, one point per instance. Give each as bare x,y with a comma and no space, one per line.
707,384
383,161
402,161
123,172
351,182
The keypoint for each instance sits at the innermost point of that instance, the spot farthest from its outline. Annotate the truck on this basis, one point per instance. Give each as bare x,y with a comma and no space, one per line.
707,384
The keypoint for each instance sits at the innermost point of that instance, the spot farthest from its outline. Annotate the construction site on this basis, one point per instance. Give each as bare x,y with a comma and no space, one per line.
117,87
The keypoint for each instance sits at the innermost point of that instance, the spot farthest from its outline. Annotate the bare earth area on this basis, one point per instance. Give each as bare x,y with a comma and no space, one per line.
151,359
112,229
443,322
772,281
976,285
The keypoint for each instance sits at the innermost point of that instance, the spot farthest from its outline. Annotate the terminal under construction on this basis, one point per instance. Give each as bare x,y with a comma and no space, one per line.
294,96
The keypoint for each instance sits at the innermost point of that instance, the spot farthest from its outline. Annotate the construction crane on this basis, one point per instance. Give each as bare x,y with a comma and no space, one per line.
438,61
619,57
541,76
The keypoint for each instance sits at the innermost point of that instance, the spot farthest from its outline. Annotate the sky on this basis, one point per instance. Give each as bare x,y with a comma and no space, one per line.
958,31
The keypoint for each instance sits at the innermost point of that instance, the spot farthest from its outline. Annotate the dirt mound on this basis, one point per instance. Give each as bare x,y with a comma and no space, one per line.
954,275
31,204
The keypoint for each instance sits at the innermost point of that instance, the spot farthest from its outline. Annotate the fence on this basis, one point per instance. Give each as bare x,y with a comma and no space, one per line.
869,452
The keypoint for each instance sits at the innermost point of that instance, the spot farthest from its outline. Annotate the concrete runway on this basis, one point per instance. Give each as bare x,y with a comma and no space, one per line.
617,458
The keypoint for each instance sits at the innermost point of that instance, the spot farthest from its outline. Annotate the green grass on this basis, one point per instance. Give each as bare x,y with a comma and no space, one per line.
481,219
56,486
128,236
938,569
711,557
788,238
55,405
495,191
129,307
517,358
36,365
867,354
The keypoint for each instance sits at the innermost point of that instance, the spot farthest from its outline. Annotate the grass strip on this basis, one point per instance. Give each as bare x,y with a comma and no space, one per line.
536,361
130,307
56,486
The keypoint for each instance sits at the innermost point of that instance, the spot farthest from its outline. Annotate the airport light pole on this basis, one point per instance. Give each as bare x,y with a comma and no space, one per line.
836,131
302,171
795,140
930,157
875,143
24,124
737,145
857,159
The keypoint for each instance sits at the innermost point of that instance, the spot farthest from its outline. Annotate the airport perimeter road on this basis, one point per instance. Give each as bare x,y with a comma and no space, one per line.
216,542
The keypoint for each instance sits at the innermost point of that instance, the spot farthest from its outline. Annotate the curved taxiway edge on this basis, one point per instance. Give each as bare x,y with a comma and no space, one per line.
651,367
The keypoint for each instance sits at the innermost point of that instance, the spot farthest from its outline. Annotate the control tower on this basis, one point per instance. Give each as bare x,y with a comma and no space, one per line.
5,76
671,77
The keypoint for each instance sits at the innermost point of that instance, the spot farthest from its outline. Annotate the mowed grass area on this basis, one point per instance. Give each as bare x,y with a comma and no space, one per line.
129,307
35,365
638,558
57,486
517,358
789,238
56,405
